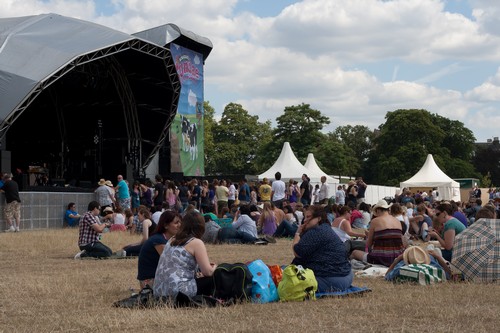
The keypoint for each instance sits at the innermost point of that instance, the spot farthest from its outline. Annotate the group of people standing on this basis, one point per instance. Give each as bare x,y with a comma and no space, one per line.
113,196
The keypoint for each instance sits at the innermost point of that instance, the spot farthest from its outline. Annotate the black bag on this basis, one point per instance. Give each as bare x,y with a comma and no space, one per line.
144,299
232,281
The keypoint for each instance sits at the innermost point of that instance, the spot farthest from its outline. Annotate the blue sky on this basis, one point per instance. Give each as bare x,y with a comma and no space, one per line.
353,60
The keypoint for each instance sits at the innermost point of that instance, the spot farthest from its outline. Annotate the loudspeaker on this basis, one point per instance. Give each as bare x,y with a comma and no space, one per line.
177,176
5,165
85,184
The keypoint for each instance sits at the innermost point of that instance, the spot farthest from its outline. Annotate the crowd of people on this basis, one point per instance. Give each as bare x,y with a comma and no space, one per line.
327,233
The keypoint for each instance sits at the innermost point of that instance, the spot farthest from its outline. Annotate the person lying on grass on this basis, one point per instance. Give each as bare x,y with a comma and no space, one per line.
417,255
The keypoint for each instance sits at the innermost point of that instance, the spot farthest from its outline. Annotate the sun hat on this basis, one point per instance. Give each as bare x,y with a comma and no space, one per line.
382,204
108,209
101,182
109,183
416,255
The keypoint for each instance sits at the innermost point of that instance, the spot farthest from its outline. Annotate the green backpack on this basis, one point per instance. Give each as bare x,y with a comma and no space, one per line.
298,284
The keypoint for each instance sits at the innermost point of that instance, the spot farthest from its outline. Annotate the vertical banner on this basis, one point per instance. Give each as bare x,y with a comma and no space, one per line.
187,130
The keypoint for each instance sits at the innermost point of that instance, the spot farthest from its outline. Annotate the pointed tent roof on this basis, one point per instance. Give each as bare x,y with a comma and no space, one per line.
316,170
430,175
287,164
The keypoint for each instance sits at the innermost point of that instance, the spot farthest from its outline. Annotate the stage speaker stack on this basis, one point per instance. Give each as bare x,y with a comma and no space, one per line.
5,165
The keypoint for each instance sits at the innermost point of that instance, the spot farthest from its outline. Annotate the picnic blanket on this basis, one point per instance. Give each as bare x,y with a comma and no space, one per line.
352,291
372,271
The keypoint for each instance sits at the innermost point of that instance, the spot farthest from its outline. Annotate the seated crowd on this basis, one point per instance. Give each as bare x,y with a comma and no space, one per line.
325,237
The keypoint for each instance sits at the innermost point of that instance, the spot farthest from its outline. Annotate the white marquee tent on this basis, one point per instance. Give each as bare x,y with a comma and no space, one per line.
288,165
430,175
315,170
291,168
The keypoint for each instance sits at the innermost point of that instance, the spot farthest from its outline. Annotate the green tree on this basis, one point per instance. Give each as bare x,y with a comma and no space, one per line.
487,162
359,138
301,126
406,138
335,157
458,139
237,139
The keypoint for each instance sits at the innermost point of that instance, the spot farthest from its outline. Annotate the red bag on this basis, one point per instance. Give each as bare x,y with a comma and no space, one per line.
276,273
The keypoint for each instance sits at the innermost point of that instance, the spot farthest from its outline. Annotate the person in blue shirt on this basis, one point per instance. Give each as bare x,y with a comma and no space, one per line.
122,193
244,193
317,247
71,217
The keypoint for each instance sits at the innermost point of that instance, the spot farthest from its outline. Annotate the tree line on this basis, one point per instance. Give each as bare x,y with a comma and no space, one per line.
239,143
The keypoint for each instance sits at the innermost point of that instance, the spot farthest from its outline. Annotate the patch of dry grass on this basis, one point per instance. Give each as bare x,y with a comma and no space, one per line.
44,290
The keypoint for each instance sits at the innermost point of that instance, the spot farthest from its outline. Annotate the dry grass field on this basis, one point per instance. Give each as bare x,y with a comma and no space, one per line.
43,289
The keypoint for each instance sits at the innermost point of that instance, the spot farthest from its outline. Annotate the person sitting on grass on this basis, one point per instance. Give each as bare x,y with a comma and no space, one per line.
71,217
317,247
288,227
118,220
486,212
342,227
242,231
168,225
420,223
385,238
178,265
267,221
90,229
148,227
452,227
211,234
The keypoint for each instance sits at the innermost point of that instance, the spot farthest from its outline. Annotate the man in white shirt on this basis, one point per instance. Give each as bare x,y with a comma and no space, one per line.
340,196
323,191
278,189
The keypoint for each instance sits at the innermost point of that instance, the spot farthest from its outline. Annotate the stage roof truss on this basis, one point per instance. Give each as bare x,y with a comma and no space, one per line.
131,115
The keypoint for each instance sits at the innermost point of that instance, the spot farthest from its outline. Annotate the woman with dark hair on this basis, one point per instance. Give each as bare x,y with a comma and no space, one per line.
171,194
146,195
148,227
168,225
288,227
205,196
342,227
316,246
452,227
135,196
183,255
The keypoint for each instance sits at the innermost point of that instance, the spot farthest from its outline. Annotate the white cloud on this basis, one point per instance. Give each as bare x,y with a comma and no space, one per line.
488,91
307,53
